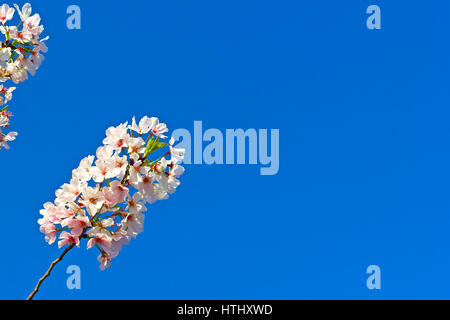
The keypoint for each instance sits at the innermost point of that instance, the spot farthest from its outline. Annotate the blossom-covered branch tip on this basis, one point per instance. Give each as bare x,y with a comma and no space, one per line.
20,54
107,195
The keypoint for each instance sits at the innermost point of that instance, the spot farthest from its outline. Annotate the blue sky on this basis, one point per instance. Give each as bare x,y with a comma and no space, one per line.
364,148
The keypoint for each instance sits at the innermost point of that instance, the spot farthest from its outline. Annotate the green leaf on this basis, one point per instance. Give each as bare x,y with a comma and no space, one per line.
153,145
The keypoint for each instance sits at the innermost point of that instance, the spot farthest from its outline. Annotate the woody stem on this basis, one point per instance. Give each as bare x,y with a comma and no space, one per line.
52,265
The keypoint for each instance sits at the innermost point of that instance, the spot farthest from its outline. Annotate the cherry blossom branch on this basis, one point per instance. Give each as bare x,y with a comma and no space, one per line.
110,216
45,276
20,54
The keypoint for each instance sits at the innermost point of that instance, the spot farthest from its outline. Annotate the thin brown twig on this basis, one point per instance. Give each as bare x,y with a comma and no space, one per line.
52,265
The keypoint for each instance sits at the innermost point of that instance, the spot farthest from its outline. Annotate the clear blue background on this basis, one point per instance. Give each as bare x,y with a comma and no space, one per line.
364,137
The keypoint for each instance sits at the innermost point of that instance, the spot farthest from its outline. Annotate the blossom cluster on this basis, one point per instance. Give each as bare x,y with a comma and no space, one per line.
5,115
20,54
107,195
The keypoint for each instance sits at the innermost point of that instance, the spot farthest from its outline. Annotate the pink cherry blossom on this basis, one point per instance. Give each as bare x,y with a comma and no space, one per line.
102,239
77,224
115,193
68,239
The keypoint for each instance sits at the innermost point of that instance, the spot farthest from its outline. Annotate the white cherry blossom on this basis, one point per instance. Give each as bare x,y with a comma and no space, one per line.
6,13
